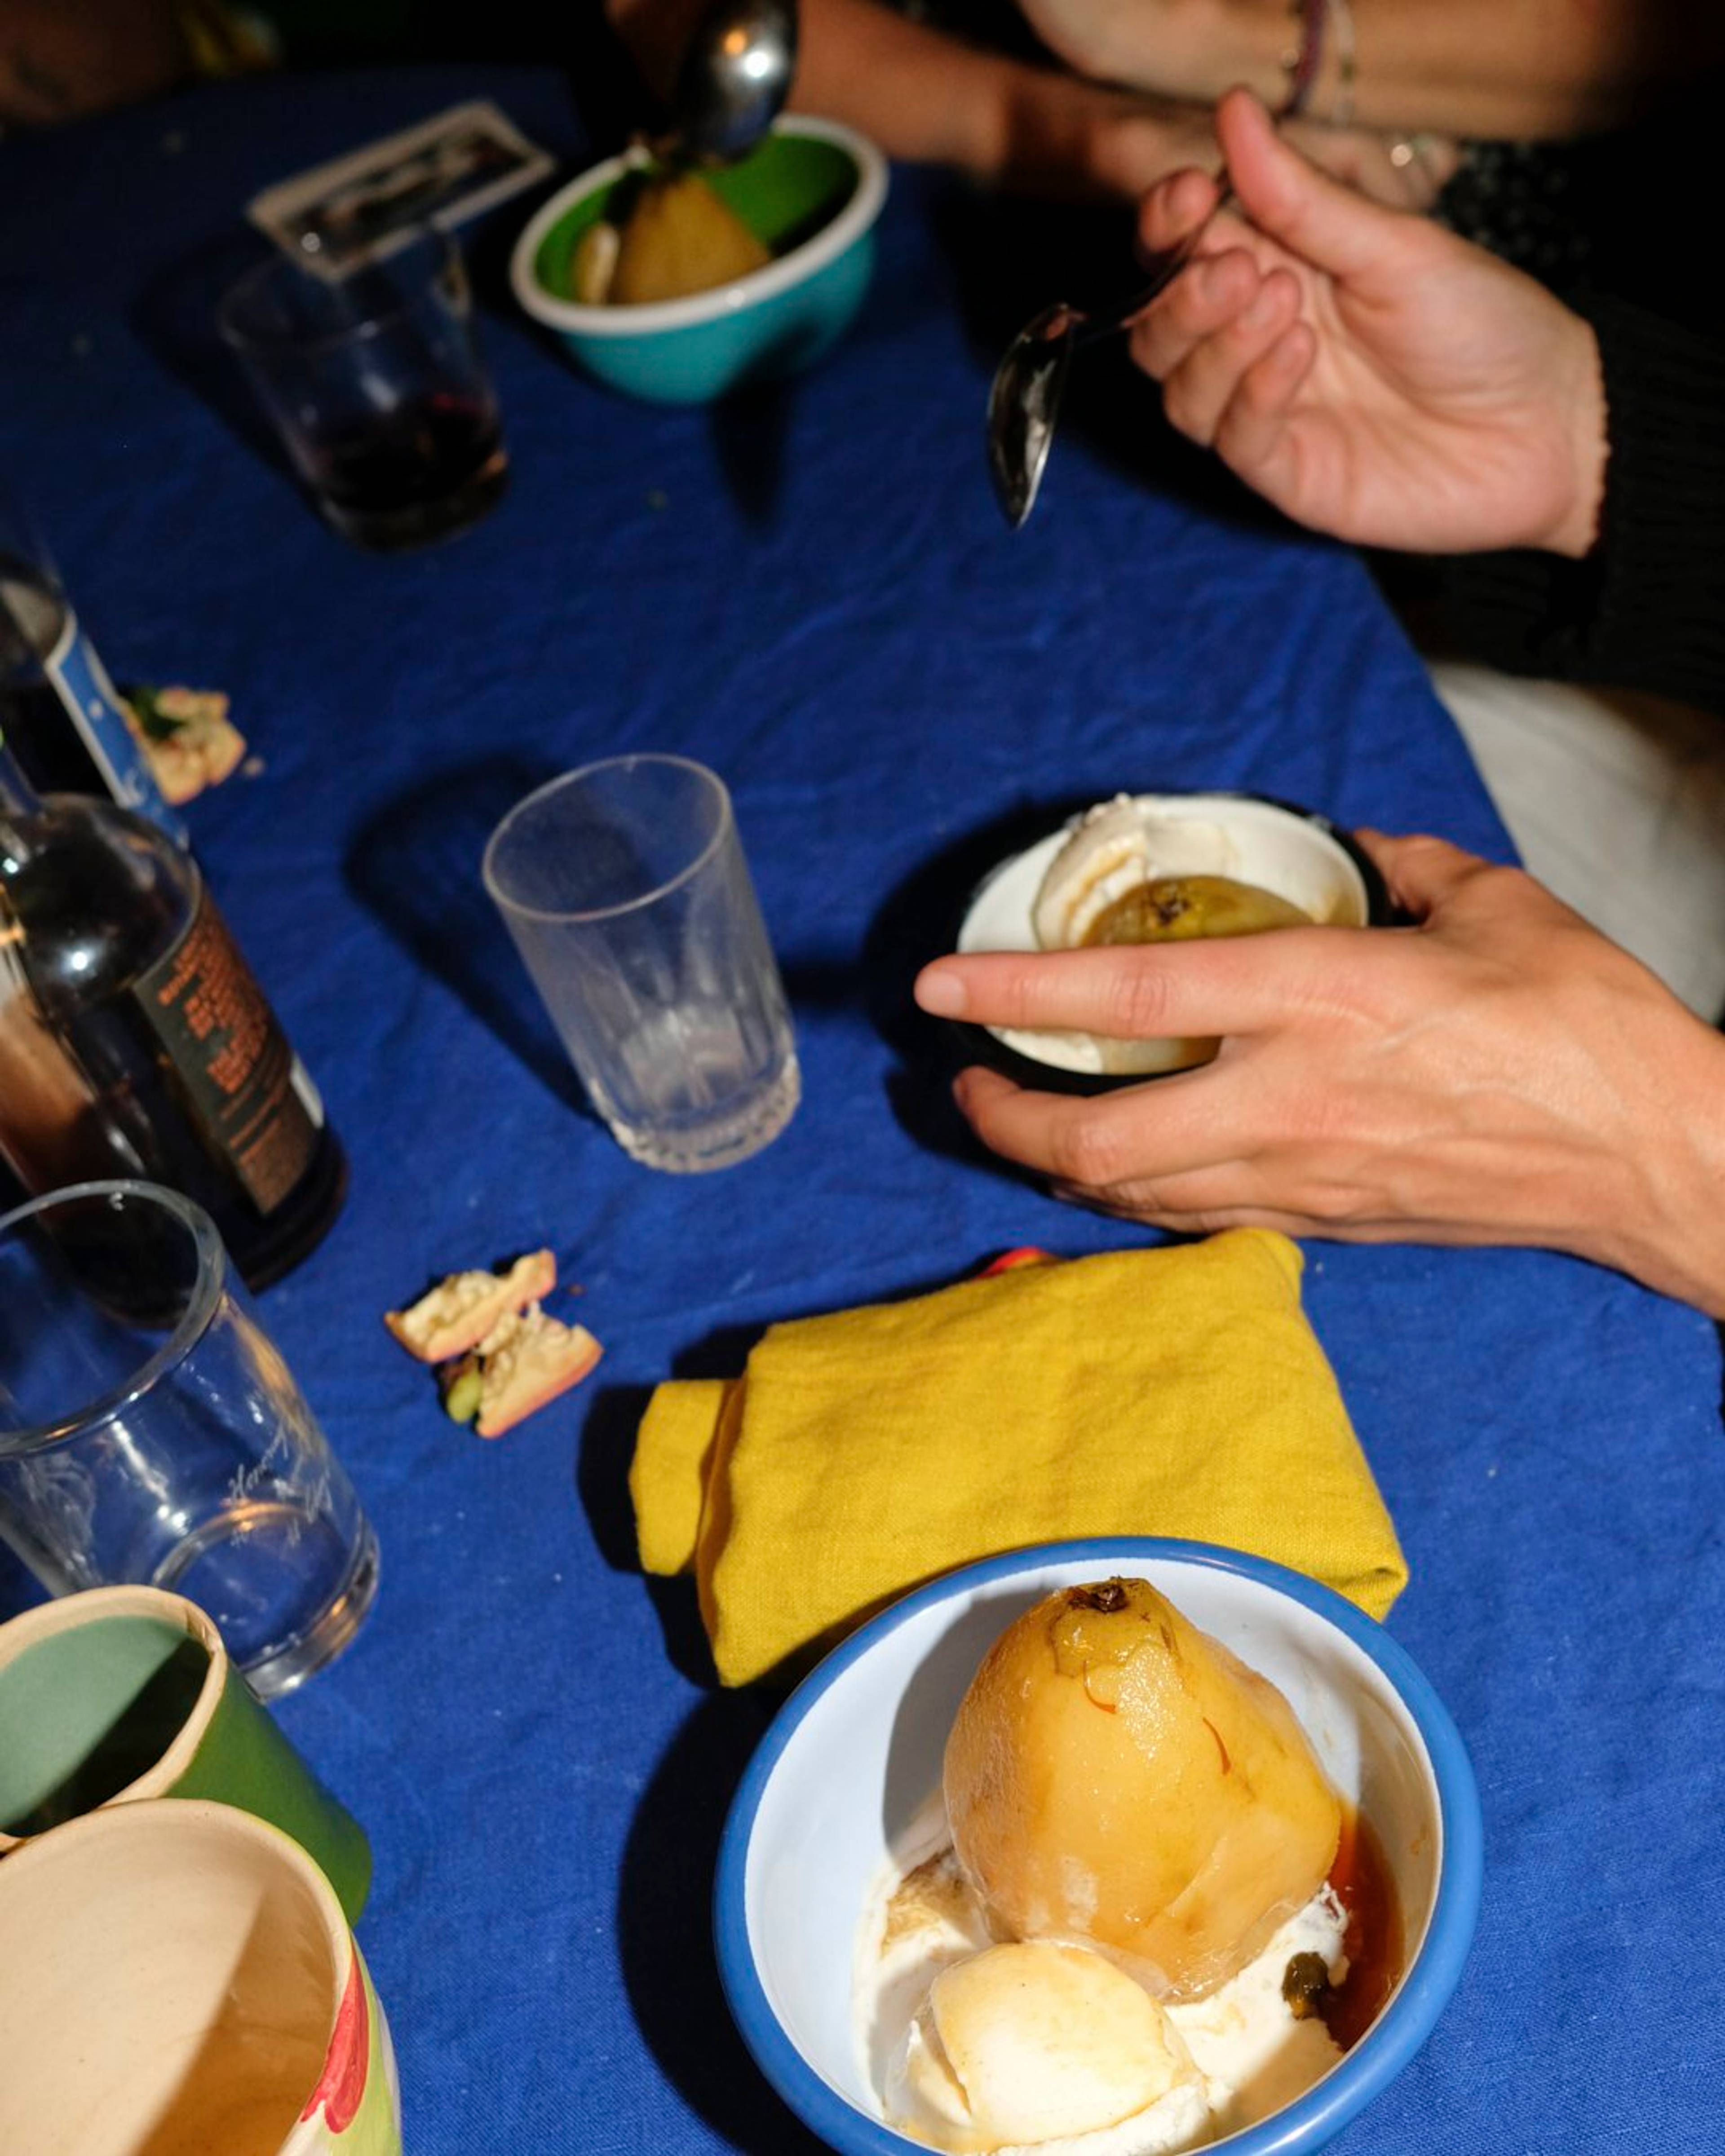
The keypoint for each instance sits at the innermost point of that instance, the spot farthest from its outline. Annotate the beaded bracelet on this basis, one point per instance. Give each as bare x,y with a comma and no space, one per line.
1303,61
1300,62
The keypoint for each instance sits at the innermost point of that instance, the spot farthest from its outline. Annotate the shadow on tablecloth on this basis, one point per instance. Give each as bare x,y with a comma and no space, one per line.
665,1928
415,866
174,317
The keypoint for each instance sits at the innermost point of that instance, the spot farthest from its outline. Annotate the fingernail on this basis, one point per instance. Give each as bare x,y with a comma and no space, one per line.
942,995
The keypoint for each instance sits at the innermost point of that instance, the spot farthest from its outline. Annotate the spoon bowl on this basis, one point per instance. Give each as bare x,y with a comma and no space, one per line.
1024,403
732,81
1025,396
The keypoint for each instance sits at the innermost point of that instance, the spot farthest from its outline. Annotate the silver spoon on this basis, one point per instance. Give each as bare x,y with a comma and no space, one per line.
733,78
1024,397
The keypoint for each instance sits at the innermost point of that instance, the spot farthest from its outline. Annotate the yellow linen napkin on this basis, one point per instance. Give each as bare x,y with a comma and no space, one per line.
1150,1392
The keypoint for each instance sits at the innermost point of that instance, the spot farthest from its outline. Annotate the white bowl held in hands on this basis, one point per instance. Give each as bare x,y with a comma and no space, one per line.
1291,852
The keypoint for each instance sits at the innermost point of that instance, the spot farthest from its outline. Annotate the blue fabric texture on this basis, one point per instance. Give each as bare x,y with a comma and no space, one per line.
811,591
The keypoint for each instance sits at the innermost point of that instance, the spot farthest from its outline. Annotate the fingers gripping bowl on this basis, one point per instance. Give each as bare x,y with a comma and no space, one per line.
812,191
836,1789
1156,867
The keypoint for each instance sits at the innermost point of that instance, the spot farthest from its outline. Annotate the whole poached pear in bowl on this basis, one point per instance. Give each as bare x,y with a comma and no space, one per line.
1116,1776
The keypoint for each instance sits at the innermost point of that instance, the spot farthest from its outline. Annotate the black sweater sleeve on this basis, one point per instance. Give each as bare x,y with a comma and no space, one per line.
1646,608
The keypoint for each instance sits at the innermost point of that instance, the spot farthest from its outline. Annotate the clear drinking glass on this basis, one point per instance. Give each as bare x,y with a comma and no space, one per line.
151,1433
374,380
624,886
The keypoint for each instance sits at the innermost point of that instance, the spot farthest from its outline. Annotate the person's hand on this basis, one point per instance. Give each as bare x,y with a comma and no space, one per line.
1371,374
1501,1073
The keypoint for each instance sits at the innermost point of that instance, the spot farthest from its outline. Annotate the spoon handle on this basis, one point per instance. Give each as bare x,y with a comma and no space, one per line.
1108,320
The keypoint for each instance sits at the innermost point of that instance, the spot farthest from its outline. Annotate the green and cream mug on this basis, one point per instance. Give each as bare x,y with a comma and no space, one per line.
178,1979
125,1693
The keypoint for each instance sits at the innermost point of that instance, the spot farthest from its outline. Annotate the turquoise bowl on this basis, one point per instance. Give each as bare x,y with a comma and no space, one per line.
812,191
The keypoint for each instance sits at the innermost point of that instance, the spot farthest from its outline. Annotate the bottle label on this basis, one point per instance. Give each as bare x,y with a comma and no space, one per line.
91,702
233,1057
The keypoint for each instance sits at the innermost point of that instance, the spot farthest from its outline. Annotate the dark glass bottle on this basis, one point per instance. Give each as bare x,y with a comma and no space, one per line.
134,1040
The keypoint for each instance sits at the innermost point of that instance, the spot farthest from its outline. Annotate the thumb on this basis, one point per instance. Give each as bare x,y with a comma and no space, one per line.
1332,226
1421,872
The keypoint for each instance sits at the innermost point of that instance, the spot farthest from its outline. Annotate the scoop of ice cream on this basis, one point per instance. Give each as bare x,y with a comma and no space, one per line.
1115,1775
1037,2042
1116,852
1256,2055
921,1918
1117,848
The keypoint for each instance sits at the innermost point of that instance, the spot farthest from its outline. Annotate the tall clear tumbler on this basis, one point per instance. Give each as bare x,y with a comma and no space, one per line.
624,886
151,1434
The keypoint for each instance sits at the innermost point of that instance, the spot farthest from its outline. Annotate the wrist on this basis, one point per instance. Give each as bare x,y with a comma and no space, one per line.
1072,139
1193,50
1671,1235
1585,411
990,124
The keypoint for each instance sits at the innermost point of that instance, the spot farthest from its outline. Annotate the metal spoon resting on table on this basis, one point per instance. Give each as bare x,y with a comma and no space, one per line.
1024,397
732,80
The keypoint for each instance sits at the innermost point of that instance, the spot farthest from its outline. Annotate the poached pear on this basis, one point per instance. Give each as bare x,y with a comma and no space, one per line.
679,238
1116,1776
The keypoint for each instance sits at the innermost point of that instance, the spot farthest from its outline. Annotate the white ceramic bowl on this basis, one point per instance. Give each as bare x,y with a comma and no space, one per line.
1299,856
858,1748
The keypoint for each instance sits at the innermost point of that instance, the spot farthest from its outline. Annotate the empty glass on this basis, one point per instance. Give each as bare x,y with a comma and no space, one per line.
624,886
374,380
151,1433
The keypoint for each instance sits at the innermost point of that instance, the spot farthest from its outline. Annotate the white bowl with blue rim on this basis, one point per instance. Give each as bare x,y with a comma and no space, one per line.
857,1748
812,190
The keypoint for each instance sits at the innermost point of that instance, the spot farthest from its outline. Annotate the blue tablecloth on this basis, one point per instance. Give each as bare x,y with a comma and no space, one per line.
811,591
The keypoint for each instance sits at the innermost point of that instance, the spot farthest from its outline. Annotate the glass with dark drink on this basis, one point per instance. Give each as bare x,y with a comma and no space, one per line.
373,376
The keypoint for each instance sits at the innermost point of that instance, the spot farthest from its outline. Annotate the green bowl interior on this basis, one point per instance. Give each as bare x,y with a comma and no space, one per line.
785,191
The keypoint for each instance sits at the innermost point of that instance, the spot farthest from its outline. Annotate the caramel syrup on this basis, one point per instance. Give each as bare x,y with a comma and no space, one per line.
1360,1882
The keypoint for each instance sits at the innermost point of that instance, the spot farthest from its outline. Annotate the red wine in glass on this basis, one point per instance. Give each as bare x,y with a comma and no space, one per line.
427,467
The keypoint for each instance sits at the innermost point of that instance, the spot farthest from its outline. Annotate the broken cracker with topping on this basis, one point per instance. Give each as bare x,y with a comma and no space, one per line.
187,736
521,1366
458,1313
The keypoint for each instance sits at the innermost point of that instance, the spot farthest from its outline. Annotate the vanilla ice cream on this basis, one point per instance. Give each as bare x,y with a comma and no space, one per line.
974,2044
1035,2044
1114,848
